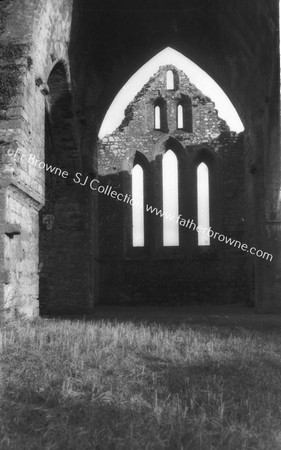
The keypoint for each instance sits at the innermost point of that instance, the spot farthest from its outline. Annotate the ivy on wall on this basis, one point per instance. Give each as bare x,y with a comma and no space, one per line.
9,72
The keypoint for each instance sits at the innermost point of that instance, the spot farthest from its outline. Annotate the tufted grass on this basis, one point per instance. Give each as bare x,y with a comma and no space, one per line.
124,384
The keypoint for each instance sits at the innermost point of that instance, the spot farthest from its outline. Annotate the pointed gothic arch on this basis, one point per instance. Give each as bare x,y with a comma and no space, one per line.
134,84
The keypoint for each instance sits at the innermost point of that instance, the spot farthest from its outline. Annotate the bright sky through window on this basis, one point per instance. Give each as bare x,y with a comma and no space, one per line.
157,118
197,76
203,207
180,117
170,199
170,79
138,206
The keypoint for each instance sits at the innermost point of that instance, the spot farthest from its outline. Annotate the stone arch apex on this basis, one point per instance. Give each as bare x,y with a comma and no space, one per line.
136,157
168,143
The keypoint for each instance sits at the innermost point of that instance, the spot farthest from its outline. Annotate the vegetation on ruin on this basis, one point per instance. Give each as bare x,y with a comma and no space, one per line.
9,72
175,382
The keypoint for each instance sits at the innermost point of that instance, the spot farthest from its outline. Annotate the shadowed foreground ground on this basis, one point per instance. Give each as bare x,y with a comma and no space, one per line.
143,378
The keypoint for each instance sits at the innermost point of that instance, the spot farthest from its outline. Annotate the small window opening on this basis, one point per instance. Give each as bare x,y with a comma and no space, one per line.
170,79
180,117
157,118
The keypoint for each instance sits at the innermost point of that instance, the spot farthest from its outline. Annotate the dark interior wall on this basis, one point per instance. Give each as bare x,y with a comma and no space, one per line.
62,247
236,43
186,274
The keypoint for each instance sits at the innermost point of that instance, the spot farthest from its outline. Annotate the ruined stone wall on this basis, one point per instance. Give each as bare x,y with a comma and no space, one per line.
34,36
137,133
188,273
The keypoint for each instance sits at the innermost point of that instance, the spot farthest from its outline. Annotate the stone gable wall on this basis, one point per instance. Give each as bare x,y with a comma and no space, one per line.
188,273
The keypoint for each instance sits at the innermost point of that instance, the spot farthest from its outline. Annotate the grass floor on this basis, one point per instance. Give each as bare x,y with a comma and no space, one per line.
180,380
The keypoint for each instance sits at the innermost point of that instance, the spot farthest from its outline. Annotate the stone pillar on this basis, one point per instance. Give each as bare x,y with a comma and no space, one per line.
33,34
268,215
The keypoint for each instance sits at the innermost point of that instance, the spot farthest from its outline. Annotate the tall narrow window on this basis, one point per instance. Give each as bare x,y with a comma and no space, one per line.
203,206
157,118
170,199
180,117
138,206
170,79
